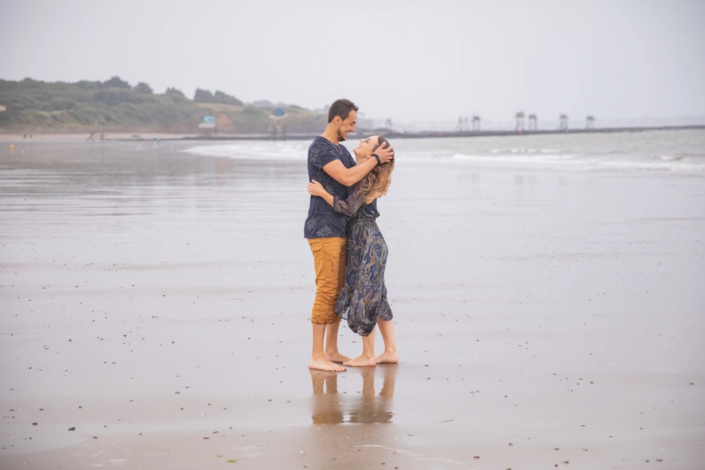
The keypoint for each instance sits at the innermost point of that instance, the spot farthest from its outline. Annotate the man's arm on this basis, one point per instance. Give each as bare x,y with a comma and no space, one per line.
350,176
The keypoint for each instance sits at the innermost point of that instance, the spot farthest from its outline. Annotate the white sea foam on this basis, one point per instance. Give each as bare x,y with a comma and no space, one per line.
254,150
499,151
583,163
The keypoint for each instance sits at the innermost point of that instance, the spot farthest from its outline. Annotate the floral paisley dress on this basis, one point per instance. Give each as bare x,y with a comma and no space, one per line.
363,299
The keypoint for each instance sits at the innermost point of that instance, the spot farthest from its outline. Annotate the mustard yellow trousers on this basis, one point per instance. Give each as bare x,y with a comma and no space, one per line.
329,264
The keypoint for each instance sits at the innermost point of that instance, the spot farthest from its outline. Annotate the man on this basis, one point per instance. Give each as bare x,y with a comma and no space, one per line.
331,164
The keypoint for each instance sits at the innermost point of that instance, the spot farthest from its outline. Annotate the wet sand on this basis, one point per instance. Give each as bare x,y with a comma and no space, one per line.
158,303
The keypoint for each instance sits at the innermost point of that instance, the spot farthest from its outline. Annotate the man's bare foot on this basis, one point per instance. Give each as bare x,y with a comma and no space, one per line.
337,357
388,357
361,361
324,364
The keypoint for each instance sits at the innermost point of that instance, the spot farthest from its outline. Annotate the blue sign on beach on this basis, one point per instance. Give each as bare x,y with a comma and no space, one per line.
209,119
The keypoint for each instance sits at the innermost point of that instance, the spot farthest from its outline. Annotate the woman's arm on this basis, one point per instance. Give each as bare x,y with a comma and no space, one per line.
348,206
315,188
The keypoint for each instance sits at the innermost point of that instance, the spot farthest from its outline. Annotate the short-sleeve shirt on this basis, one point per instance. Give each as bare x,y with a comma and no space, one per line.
322,220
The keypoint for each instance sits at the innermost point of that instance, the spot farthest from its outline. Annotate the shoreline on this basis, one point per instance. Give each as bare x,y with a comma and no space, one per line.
167,136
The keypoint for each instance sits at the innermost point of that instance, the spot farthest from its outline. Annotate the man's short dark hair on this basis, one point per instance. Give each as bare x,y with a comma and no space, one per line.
341,108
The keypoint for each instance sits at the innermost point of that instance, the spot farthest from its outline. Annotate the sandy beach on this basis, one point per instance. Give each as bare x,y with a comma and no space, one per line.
155,303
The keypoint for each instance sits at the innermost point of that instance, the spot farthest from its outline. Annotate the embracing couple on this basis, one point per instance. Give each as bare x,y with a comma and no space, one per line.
349,252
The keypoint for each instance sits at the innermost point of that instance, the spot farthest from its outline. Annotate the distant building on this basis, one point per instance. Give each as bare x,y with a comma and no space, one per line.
223,123
208,125
277,124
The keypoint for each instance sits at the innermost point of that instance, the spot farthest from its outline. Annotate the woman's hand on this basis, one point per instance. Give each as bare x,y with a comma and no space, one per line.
315,188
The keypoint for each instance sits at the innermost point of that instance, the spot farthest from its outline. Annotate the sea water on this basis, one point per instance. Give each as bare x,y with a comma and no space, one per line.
677,151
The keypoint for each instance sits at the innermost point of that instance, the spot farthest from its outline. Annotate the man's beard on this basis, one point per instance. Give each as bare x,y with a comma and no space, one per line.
341,137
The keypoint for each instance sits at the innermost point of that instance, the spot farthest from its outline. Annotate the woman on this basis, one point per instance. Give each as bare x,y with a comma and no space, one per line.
363,300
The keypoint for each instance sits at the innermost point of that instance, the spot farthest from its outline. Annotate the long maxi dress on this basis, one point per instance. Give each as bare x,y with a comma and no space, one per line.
363,299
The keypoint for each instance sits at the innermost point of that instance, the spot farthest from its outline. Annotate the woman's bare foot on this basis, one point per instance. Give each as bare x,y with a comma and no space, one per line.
325,364
388,357
361,361
337,357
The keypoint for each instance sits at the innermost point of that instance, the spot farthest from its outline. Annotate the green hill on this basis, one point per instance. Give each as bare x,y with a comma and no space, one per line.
33,105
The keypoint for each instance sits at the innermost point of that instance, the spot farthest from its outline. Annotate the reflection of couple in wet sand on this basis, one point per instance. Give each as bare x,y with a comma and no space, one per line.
330,408
349,252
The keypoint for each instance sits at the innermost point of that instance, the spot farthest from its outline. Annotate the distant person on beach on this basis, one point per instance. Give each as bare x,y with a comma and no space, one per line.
363,300
332,166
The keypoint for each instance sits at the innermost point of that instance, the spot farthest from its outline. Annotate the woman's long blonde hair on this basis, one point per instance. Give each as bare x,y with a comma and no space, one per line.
379,179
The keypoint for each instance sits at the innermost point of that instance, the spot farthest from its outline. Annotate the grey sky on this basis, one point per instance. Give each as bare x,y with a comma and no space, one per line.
407,60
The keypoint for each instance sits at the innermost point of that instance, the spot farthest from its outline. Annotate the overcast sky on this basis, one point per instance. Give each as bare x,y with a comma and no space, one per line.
406,60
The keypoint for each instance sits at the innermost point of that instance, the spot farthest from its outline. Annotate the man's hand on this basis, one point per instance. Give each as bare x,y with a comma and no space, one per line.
385,152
